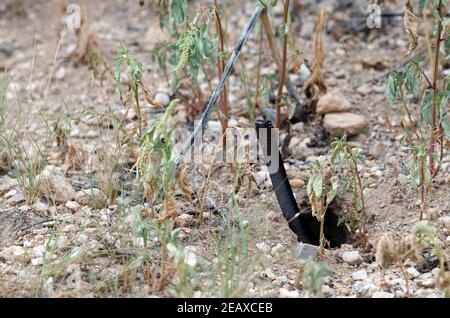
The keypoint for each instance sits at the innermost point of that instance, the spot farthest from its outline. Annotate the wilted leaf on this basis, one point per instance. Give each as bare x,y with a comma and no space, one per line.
411,25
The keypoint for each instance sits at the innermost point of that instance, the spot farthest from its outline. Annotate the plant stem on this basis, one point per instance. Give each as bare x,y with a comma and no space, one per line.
220,68
258,70
434,169
422,187
277,59
283,67
361,194
138,109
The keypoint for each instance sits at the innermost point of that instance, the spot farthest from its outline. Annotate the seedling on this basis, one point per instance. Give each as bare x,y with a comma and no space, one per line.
343,154
321,189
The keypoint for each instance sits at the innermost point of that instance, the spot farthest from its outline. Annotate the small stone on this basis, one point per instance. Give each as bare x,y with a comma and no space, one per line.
286,293
433,213
338,124
382,294
72,206
332,102
305,73
412,272
48,286
425,280
445,221
306,251
162,98
93,197
268,273
24,208
16,199
352,258
359,275
263,247
7,183
368,289
260,178
37,261
297,184
245,223
40,207
12,253
39,251
184,220
53,185
82,238
60,73
427,283
277,249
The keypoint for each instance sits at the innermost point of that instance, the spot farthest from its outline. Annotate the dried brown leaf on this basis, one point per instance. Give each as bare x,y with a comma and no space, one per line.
411,25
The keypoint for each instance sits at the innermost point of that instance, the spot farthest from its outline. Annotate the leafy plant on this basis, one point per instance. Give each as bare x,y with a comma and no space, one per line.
343,154
321,189
433,127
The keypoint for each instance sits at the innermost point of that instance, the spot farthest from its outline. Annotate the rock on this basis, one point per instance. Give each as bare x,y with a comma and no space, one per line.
48,286
425,280
16,199
382,294
338,124
277,249
359,275
377,151
274,217
268,273
7,183
39,251
40,207
37,261
306,251
25,208
352,258
53,185
332,102
60,73
368,289
263,247
433,213
190,258
445,221
72,206
297,184
305,73
412,272
162,98
299,148
261,178
13,253
93,197
184,220
286,293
